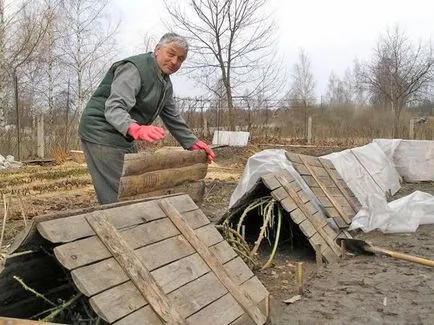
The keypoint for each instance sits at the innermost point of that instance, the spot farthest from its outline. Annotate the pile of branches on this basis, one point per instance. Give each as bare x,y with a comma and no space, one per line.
233,226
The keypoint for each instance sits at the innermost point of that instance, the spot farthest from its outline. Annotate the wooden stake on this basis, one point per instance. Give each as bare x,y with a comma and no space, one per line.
299,271
343,249
318,255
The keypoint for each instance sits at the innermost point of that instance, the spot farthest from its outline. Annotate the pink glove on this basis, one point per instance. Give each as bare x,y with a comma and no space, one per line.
200,145
148,133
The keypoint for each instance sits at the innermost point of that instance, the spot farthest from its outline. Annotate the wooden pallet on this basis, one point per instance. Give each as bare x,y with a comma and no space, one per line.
328,186
159,173
157,262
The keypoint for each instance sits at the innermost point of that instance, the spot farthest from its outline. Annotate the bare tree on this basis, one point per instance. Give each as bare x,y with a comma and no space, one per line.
302,91
232,41
26,28
87,44
398,71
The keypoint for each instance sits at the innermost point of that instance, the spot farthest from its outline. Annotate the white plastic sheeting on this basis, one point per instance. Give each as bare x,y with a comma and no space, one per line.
367,171
9,162
413,159
262,163
401,215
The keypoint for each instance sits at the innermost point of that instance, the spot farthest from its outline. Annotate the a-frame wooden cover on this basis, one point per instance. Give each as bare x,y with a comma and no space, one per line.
196,272
328,186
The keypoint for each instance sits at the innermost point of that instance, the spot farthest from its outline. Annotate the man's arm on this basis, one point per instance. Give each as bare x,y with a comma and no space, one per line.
174,122
124,89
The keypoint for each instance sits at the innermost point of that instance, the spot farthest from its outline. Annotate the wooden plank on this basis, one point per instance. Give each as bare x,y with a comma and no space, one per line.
317,223
97,277
279,194
340,184
293,157
241,272
16,321
75,227
221,312
187,299
318,174
160,179
307,228
297,216
90,250
135,270
30,239
301,169
139,163
241,297
288,204
270,181
195,190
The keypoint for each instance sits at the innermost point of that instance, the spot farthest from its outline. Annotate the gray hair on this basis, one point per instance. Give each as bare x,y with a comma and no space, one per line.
174,38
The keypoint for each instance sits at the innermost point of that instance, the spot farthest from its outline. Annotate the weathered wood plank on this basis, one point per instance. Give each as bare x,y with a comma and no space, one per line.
195,190
270,181
187,299
298,216
30,238
288,204
135,270
75,227
160,179
91,249
97,277
307,228
279,194
16,321
139,163
241,297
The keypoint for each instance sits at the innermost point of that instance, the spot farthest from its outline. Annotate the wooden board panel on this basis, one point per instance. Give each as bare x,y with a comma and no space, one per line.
240,296
160,179
90,250
97,277
75,227
187,299
30,238
136,271
139,163
311,215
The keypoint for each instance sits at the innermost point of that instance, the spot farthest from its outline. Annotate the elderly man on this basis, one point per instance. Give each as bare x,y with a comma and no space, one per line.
130,97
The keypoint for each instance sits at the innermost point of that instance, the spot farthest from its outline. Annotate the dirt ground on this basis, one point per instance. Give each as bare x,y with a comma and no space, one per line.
357,290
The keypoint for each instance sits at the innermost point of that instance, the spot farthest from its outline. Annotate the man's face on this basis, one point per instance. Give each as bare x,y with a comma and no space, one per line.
169,57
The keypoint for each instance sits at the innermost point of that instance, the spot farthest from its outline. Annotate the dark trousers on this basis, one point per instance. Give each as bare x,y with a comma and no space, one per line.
105,166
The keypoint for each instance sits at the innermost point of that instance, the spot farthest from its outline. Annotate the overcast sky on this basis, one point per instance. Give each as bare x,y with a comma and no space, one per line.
332,32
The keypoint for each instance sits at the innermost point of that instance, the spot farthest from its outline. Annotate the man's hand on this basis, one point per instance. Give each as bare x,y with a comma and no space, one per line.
200,145
148,133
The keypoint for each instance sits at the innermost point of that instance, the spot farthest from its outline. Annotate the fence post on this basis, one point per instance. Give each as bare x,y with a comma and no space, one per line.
40,136
411,129
309,130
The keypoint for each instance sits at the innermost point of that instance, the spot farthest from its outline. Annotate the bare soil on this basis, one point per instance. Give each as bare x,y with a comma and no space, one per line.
357,290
